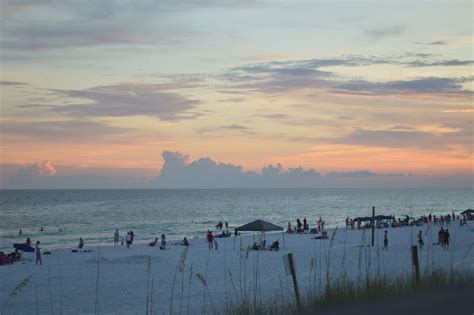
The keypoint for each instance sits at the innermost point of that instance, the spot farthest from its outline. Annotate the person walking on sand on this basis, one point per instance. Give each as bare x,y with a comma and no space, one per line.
385,240
421,243
38,253
116,237
163,242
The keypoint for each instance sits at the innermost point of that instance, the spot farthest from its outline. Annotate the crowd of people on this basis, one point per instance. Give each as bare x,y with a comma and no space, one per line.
443,238
390,221
8,259
301,227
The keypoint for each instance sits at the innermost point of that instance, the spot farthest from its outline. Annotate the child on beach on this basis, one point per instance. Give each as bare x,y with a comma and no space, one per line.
38,253
185,242
420,240
153,243
385,240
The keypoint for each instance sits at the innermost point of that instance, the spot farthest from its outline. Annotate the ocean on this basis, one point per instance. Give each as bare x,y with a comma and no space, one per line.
95,214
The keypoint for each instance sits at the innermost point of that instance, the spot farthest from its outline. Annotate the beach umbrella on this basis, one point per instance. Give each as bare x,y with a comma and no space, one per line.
468,211
260,226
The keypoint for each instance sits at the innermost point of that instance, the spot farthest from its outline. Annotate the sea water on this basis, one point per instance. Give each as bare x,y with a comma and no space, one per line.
66,215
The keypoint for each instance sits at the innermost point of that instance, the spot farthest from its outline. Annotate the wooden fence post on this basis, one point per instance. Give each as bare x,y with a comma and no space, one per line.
373,225
414,258
291,270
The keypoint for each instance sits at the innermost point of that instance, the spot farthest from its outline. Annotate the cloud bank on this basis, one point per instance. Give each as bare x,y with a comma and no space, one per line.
179,171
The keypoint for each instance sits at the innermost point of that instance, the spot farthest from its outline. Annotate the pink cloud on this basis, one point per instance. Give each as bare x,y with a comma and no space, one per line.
44,168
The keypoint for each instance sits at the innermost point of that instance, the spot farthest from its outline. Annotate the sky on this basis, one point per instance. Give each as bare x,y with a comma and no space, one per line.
208,93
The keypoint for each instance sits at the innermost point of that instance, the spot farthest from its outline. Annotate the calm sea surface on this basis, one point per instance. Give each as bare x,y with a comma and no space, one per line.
95,214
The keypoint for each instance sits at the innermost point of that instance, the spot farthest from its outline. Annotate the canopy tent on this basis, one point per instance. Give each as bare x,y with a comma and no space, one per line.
468,211
363,219
384,217
259,226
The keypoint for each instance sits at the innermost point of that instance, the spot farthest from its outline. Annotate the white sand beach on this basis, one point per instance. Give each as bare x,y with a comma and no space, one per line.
113,279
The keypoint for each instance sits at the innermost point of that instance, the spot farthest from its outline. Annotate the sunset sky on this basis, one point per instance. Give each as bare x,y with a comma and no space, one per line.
104,87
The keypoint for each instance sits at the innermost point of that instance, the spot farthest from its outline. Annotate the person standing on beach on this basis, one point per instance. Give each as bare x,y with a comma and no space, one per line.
116,237
226,225
81,243
128,239
20,233
210,240
421,243
385,240
440,237
38,253
446,239
132,236
163,242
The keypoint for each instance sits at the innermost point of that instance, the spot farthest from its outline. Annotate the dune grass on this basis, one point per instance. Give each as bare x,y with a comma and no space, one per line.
347,291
